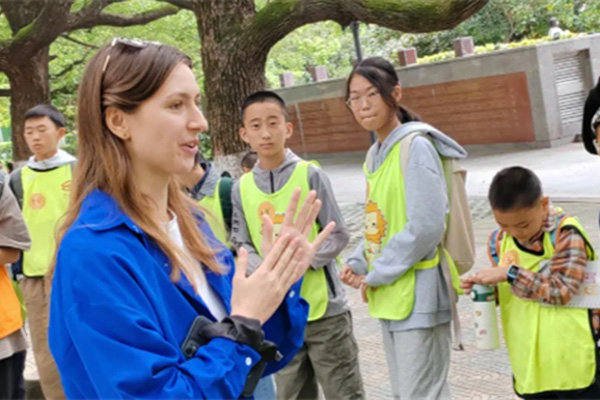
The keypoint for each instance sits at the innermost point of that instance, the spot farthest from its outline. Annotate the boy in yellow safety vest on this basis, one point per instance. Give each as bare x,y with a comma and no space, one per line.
212,190
539,256
42,188
249,161
329,356
14,238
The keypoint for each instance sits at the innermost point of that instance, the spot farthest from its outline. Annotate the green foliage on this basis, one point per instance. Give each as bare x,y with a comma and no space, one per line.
317,44
205,146
446,55
503,21
4,103
179,30
70,144
5,151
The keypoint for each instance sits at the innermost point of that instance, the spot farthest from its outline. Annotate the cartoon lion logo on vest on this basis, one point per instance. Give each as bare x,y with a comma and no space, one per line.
277,219
375,228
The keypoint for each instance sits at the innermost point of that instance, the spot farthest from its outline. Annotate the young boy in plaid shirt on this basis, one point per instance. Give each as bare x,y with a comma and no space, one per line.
539,256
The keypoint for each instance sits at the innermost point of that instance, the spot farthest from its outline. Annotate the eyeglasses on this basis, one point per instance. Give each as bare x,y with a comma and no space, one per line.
355,102
132,43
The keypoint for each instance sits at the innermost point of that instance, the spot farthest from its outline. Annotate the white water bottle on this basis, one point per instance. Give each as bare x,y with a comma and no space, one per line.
486,324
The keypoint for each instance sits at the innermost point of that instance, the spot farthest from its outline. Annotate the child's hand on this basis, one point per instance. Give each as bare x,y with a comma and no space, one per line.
363,292
286,260
350,278
485,276
466,284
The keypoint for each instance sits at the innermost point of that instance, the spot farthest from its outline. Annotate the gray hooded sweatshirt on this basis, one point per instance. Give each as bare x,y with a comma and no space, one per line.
59,159
426,209
272,181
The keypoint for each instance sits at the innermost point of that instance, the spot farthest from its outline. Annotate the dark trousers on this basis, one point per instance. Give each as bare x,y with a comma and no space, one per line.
11,377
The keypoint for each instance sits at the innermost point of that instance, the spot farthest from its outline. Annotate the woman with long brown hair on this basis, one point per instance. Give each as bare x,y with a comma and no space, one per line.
145,302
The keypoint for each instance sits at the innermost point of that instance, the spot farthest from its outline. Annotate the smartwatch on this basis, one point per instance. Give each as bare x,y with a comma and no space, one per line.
511,274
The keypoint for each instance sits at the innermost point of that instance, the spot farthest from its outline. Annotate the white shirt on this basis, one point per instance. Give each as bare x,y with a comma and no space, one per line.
204,290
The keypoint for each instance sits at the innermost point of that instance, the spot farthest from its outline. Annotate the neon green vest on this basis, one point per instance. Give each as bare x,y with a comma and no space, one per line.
45,201
550,348
214,216
385,216
255,203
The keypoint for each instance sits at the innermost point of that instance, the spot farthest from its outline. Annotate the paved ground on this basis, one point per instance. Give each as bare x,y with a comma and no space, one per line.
567,173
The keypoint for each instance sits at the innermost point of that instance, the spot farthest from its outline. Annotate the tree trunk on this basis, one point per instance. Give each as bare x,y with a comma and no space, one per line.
226,89
232,71
236,41
29,86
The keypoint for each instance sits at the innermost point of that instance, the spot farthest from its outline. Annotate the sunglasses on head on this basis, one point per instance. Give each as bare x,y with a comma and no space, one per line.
132,43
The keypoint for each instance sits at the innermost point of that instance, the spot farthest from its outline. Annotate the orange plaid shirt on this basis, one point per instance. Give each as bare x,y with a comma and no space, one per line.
566,269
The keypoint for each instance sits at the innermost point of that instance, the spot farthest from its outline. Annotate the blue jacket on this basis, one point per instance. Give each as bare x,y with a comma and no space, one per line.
117,321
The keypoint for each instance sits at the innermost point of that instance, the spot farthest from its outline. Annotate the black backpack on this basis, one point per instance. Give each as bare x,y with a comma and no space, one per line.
225,186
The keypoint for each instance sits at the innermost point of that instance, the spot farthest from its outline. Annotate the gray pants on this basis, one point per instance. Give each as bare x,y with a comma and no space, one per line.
330,356
418,362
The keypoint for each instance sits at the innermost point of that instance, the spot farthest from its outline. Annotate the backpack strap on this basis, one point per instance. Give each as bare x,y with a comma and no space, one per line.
494,242
560,219
16,185
2,180
225,186
560,225
405,148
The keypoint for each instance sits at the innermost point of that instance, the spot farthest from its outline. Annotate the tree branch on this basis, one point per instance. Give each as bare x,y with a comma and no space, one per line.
82,21
64,90
70,67
4,92
280,17
88,45
185,4
40,33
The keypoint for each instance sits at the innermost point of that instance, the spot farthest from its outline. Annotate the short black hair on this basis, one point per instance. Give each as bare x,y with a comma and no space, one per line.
262,97
46,110
249,159
514,188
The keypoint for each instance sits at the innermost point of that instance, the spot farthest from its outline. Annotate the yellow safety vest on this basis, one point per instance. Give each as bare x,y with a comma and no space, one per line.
385,216
45,202
550,348
214,216
256,203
